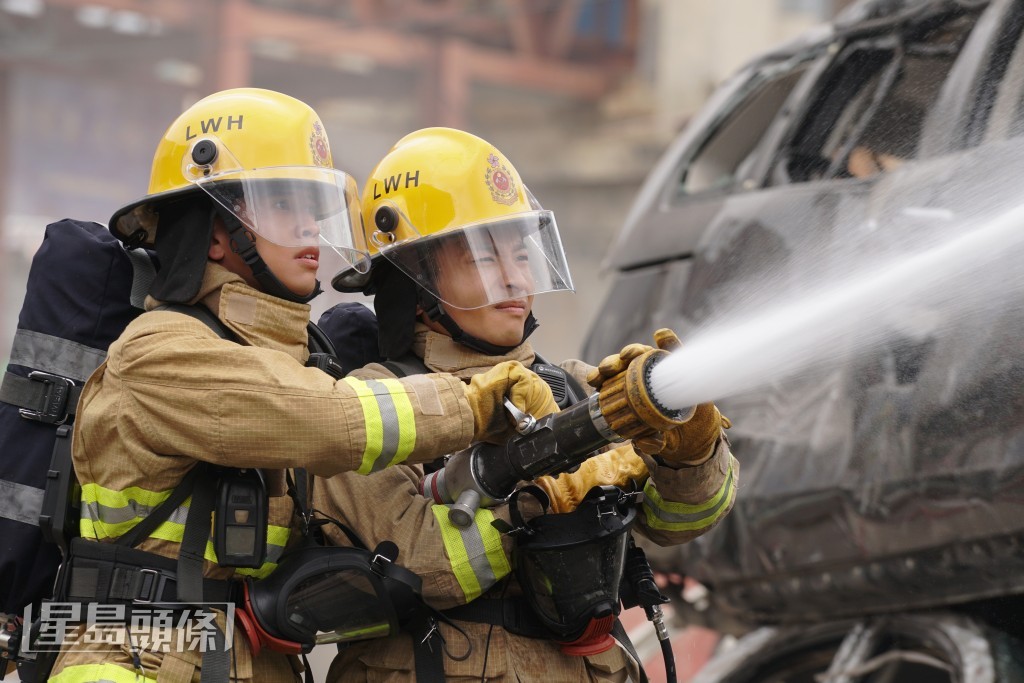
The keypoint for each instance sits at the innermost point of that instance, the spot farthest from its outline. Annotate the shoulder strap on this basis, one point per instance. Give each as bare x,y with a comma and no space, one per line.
407,365
163,511
319,342
204,315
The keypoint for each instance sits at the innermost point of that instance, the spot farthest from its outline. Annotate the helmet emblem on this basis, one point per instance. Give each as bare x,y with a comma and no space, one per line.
318,146
499,182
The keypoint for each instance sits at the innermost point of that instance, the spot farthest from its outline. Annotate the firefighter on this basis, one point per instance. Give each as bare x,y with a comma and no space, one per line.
242,197
461,249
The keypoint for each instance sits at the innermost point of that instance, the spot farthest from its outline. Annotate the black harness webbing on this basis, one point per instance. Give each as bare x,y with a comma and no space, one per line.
42,396
512,614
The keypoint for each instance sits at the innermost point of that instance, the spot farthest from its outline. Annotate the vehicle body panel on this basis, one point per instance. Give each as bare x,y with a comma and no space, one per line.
881,481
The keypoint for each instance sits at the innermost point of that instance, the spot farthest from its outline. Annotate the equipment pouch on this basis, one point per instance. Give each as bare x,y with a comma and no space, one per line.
240,518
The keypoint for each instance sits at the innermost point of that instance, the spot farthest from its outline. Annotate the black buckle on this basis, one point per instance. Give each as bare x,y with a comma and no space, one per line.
56,395
151,586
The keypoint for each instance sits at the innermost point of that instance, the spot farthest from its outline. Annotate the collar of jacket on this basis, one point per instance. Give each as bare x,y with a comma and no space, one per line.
259,319
441,354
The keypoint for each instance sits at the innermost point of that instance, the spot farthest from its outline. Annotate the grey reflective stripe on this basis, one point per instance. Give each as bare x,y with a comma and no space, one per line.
20,503
693,517
55,355
389,419
104,514
143,273
274,552
477,554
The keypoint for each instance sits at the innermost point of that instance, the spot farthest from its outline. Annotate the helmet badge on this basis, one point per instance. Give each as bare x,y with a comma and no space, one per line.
319,147
499,181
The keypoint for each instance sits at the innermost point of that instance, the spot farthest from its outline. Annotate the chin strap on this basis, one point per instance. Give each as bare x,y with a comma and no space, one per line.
243,245
435,312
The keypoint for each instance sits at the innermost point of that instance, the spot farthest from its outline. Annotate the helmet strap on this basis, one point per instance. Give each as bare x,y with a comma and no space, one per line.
435,312
243,245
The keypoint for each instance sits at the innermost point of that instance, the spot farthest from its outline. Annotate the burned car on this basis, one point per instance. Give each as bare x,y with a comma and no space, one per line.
878,510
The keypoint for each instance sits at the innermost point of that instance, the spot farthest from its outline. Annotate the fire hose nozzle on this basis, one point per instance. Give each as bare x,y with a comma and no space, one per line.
484,475
629,407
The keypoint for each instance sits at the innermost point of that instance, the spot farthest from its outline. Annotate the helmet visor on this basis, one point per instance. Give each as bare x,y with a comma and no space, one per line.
291,206
485,263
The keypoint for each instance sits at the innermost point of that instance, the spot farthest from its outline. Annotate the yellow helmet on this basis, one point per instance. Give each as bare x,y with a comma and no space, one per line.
249,148
441,191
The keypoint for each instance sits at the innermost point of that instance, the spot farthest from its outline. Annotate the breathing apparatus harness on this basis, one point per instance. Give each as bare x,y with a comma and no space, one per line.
316,594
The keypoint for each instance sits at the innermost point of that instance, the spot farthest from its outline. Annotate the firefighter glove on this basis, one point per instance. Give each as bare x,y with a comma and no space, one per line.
664,338
617,467
616,364
689,444
486,393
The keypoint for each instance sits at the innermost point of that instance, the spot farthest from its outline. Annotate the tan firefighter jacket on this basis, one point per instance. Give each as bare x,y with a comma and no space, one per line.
172,393
459,565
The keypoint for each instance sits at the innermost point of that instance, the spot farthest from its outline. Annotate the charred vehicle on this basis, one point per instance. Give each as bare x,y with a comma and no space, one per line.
879,530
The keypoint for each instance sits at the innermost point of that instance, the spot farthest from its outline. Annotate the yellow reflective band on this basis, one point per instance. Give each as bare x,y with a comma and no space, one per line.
99,673
673,516
122,503
406,419
390,422
477,558
373,422
94,493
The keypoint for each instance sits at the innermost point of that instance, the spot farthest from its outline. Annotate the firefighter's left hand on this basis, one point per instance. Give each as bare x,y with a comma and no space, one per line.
664,339
617,467
689,444
616,364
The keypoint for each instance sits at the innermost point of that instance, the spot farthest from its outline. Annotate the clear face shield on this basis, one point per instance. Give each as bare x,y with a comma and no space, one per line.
480,264
291,206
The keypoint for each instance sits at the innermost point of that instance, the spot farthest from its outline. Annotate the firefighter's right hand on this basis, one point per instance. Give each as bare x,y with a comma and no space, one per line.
486,394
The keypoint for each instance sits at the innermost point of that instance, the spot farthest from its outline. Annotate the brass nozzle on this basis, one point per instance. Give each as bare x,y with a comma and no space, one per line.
627,405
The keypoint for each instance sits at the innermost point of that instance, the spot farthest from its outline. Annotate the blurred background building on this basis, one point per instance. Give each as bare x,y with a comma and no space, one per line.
582,95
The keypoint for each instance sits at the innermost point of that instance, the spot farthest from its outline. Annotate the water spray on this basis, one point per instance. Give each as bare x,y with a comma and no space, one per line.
731,359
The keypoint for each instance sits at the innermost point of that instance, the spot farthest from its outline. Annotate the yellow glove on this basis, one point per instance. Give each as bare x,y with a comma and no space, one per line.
691,443
616,364
664,338
617,467
486,393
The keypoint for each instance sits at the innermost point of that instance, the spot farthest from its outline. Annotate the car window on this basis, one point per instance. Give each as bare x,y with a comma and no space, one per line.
870,108
721,158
